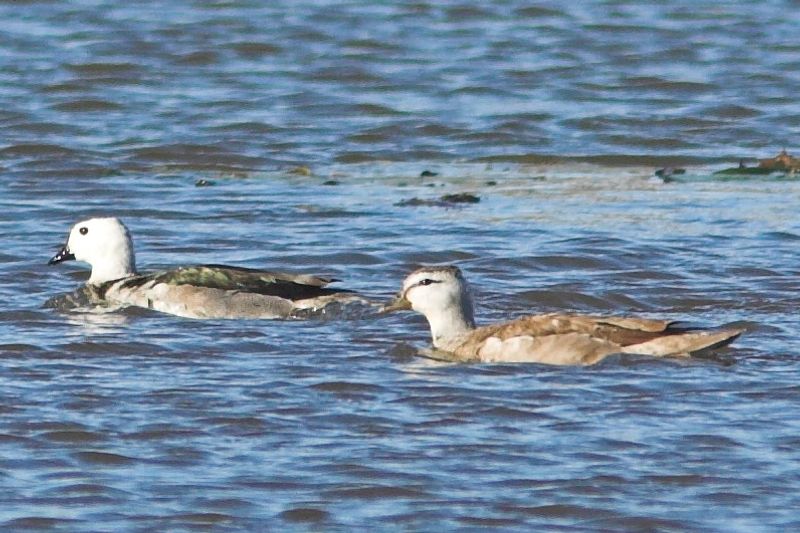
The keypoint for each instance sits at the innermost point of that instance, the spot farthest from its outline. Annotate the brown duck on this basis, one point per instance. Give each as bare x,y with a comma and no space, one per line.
442,295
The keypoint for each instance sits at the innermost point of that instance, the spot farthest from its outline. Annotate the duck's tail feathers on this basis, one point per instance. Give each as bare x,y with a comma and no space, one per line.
686,344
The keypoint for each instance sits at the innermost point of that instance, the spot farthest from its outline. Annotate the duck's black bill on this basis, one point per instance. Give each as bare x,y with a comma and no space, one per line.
62,255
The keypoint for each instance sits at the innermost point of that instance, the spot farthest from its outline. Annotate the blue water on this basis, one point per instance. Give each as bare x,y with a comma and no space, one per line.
311,123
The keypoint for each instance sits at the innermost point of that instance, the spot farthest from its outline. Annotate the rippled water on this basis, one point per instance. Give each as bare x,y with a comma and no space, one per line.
310,123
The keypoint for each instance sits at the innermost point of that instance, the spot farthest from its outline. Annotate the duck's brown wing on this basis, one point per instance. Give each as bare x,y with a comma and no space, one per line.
585,339
622,331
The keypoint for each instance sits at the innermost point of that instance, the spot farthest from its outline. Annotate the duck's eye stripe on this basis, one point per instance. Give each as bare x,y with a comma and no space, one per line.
84,231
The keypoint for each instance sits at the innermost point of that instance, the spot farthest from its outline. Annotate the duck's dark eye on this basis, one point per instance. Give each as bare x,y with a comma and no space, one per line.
84,230
425,282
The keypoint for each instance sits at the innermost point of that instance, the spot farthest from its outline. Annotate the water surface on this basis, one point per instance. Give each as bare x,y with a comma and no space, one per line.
310,122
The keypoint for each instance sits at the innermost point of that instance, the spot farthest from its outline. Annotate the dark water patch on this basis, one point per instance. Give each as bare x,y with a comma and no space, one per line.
645,124
667,85
42,464
781,236
474,90
63,87
272,485
72,436
111,348
376,110
45,128
85,489
231,504
46,426
418,259
37,150
56,169
15,439
538,12
565,300
359,157
99,458
87,105
88,84
502,412
711,441
625,303
6,258
256,49
557,511
305,514
732,112
654,275
17,350
252,128
688,302
654,161
102,69
375,492
664,143
179,393
499,137
197,58
41,523
350,75
347,388
727,498
191,153
462,12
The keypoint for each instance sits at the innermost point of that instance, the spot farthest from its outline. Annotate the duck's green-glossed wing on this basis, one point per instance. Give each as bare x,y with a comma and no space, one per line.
280,284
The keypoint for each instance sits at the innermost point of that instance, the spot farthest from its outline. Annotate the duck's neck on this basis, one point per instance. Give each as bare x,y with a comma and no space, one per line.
113,266
449,324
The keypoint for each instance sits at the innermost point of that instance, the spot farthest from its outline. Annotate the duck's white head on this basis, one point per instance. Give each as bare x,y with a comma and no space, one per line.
441,294
104,243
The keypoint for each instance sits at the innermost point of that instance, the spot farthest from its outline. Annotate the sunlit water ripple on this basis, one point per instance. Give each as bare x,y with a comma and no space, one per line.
310,123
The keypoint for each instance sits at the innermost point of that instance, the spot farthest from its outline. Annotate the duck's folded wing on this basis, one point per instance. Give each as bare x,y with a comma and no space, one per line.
583,339
631,323
621,331
267,283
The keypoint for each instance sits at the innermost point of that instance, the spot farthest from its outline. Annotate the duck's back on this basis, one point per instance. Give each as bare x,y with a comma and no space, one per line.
581,339
219,291
268,283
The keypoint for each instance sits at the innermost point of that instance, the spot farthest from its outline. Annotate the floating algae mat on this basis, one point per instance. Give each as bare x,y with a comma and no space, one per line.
782,163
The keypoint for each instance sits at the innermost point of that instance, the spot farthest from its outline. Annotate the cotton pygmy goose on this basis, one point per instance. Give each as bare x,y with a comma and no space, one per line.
206,291
442,295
